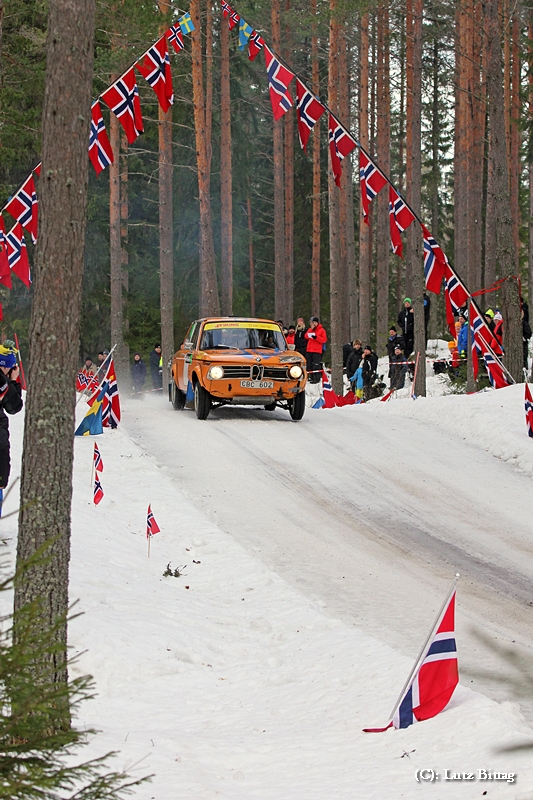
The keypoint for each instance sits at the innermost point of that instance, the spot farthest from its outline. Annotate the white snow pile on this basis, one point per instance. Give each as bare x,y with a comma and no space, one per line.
227,683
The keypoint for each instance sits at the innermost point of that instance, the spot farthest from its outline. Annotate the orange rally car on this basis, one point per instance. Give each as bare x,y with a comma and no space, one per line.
237,361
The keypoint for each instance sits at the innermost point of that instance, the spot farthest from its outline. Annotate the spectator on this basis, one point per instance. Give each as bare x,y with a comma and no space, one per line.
489,318
346,350
462,337
397,368
354,361
282,327
10,401
156,367
427,310
89,369
394,339
369,366
526,336
525,308
138,373
291,333
316,339
300,342
358,384
498,332
406,321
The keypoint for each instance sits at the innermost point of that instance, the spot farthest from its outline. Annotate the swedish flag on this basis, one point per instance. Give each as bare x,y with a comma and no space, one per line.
245,31
91,424
186,24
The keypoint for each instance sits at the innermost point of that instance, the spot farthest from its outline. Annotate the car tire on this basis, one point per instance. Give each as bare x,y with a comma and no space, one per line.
202,401
297,407
177,397
270,406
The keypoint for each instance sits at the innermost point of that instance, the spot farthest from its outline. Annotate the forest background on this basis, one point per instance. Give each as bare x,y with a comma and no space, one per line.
284,243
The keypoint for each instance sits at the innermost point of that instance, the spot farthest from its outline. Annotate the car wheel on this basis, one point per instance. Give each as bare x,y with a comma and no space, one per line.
297,407
177,397
270,406
202,401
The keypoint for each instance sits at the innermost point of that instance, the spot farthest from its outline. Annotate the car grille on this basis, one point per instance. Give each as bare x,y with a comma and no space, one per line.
275,373
236,371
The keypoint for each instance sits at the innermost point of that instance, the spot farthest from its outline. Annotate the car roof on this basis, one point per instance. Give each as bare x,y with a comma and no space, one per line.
235,319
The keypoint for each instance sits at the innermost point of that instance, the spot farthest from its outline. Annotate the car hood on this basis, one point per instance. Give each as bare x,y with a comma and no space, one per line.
250,354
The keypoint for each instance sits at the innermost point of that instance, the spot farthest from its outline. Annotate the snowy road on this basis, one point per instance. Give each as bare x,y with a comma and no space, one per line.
368,511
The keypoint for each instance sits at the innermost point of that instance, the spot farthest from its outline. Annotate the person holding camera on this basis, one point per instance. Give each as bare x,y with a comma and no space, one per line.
10,401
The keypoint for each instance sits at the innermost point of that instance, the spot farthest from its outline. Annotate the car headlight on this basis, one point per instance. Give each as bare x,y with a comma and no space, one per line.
215,373
296,371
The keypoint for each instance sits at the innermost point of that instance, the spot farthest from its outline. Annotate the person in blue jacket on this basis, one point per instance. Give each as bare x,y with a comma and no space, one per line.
462,338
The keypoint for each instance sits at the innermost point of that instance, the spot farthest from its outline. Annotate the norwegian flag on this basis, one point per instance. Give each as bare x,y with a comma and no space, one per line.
111,400
155,67
97,459
100,151
5,271
340,145
400,217
372,181
226,9
434,262
123,100
233,20
279,78
435,677
330,398
17,254
528,400
309,110
37,169
497,375
255,45
24,207
175,37
81,382
455,295
98,492
151,525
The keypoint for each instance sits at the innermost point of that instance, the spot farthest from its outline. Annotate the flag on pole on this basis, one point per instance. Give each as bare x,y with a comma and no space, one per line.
91,424
23,206
434,676
151,525
98,492
455,295
98,463
330,398
529,410
5,271
17,254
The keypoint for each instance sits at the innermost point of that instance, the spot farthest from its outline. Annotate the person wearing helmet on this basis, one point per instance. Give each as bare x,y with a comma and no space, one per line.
10,401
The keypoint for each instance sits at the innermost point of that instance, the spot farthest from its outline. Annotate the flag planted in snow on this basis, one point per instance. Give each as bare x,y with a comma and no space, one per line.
98,491
529,411
98,463
434,677
330,398
151,525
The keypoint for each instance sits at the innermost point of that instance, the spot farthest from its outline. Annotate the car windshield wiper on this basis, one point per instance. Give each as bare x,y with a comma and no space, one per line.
222,347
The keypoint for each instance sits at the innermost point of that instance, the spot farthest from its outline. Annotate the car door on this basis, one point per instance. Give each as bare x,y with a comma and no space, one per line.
185,354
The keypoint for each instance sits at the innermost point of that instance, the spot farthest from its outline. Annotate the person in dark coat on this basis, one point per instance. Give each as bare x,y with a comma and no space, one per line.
138,373
393,340
526,336
354,360
156,367
369,365
397,370
10,402
406,322
300,342
427,311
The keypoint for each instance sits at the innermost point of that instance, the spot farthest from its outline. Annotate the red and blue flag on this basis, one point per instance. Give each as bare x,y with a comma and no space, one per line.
400,217
340,145
100,151
434,262
155,67
123,100
17,254
151,525
98,492
279,78
98,463
255,45
371,180
175,37
456,297
309,110
24,207
529,410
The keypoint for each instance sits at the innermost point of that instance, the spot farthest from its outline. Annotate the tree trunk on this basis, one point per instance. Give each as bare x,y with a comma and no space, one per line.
383,149
346,185
530,159
512,328
115,245
279,187
315,253
166,249
288,121
460,171
209,303
418,272
122,355
515,167
335,267
46,482
409,240
505,249
365,240
251,262
226,187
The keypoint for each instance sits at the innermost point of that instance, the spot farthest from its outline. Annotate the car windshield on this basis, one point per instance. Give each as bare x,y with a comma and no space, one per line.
242,339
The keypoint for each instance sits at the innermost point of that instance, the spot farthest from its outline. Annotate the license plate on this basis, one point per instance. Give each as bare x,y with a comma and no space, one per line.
257,384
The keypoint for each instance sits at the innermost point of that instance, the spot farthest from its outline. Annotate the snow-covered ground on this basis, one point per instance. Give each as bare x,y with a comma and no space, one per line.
317,555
